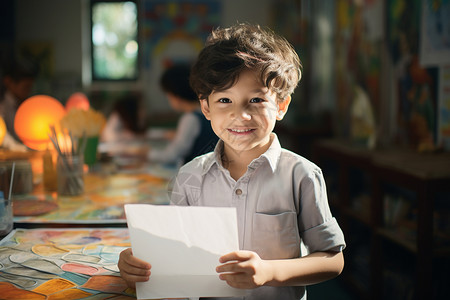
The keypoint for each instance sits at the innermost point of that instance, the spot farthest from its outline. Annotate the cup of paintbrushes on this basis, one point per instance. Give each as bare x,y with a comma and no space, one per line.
69,168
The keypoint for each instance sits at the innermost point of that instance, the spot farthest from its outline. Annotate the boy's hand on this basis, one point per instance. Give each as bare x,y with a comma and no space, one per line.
244,270
133,269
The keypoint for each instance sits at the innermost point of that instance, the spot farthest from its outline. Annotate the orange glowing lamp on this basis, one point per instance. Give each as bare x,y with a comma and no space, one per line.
2,130
34,118
77,100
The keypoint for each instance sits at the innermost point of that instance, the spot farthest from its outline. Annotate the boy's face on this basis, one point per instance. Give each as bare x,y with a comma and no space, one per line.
244,115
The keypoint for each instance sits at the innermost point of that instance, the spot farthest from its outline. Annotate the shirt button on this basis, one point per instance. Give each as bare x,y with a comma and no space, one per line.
238,192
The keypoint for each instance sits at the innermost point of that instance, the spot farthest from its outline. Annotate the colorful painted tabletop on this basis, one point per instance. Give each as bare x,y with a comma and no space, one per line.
63,264
101,203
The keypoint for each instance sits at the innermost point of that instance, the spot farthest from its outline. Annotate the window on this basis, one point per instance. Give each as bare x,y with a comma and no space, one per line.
114,40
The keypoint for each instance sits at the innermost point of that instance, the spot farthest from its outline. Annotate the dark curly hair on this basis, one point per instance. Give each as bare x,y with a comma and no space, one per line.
229,51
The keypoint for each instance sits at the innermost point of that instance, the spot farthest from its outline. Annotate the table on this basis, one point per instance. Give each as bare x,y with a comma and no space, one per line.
122,176
101,203
42,258
63,264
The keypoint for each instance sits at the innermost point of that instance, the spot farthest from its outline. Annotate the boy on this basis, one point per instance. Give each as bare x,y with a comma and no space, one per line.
244,78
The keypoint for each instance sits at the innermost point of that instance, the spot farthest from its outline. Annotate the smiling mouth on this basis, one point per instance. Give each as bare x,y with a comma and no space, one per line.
233,130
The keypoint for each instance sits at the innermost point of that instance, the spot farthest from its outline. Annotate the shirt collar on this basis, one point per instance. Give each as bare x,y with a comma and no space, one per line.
272,155
215,158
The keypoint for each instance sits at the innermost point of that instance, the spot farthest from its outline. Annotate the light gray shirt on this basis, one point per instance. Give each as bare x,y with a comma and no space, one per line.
281,201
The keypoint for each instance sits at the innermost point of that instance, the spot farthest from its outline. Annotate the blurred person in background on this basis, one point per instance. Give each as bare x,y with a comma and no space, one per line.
125,122
194,135
17,79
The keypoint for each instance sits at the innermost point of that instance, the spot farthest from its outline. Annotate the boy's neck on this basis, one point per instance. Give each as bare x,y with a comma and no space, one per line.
236,162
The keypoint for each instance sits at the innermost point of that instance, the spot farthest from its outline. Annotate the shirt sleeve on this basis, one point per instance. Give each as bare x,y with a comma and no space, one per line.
318,228
185,188
187,130
177,194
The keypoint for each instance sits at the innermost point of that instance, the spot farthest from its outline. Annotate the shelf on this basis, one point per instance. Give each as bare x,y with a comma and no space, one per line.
439,251
361,217
422,166
398,239
362,178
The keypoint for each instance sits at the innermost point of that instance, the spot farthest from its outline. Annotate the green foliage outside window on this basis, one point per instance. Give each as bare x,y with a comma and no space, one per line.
114,40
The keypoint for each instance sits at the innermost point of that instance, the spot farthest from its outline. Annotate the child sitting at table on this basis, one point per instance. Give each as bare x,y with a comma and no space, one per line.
125,123
19,75
244,78
194,135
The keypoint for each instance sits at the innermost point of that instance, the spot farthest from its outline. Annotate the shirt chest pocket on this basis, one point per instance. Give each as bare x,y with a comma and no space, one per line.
275,236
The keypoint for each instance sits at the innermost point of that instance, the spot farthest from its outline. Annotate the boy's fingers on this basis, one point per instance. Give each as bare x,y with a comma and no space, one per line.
131,270
236,255
235,267
132,279
239,281
129,259
229,268
135,262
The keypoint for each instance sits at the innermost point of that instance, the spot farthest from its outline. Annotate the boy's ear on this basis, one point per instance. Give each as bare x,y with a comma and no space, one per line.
283,107
205,108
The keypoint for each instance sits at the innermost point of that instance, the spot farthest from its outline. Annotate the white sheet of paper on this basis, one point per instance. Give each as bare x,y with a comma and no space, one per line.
183,244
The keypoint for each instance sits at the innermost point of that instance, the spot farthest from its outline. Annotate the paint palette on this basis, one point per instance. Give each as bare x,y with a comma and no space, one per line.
31,207
63,264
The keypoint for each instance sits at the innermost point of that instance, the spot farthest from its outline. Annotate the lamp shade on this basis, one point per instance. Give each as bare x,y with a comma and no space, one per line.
34,118
2,130
77,100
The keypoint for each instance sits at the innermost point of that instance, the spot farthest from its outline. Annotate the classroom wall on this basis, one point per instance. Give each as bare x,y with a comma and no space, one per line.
62,27
55,22
59,22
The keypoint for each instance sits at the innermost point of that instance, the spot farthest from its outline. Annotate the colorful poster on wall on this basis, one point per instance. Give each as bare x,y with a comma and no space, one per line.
178,26
415,86
173,32
358,68
435,33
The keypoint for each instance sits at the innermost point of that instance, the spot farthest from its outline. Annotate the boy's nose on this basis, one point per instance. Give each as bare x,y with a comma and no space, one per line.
243,114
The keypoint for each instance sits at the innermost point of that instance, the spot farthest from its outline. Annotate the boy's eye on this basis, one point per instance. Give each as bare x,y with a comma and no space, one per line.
224,100
256,100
